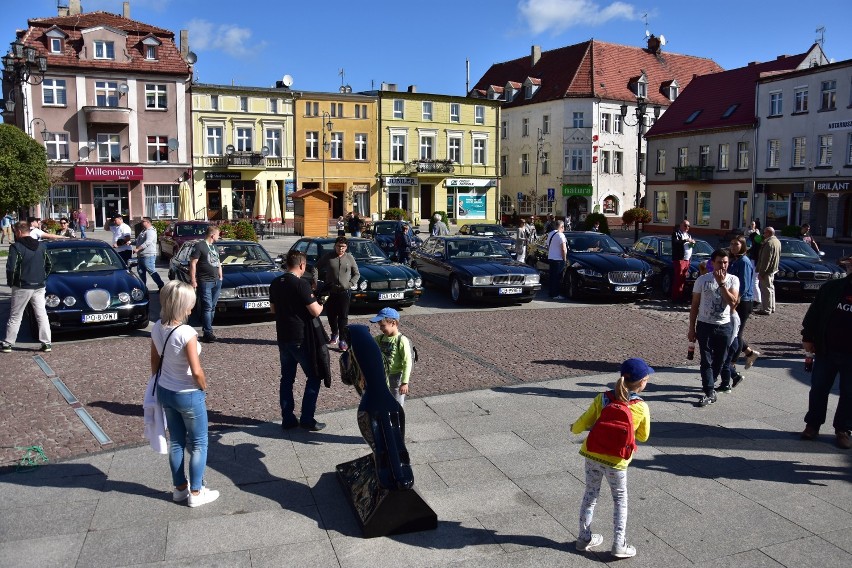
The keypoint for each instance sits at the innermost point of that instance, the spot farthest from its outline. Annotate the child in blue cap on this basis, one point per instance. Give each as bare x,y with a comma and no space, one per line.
396,353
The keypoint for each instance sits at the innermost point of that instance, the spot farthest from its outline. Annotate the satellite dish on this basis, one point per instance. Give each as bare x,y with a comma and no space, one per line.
264,151
123,88
191,58
173,144
662,39
287,80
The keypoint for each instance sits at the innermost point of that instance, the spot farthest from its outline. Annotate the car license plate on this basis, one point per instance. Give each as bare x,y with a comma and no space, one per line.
97,318
256,305
392,296
813,285
625,288
510,291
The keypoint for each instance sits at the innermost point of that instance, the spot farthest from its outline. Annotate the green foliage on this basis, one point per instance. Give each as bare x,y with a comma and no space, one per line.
241,230
227,230
443,215
791,231
50,225
395,214
161,226
593,218
539,227
23,169
636,215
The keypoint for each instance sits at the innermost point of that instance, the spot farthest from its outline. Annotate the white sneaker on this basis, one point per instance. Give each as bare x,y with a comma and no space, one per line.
750,359
179,495
623,551
204,496
596,540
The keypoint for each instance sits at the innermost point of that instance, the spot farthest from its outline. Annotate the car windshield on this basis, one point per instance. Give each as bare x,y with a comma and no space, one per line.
385,228
798,249
365,250
488,230
242,254
479,248
190,230
84,259
593,243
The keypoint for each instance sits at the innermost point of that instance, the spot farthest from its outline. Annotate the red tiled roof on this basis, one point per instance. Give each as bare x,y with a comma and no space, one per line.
715,93
169,60
597,69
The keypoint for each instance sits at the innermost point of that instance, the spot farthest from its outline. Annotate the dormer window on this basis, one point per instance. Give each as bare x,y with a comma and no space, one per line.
104,49
151,48
670,90
151,52
642,87
510,91
55,40
530,87
56,45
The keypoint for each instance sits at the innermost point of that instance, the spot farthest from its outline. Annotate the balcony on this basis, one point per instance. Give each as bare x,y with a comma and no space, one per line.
107,115
430,167
694,173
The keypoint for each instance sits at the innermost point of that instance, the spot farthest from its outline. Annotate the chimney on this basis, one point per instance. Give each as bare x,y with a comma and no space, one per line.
780,57
412,88
125,10
753,63
184,43
71,8
654,44
535,55
389,87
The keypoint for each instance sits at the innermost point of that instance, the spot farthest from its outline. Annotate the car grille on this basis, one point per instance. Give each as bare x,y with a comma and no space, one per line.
631,277
387,285
813,275
98,299
504,279
253,291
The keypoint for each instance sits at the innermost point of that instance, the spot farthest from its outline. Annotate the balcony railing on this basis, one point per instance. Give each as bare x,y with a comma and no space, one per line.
245,159
694,173
431,166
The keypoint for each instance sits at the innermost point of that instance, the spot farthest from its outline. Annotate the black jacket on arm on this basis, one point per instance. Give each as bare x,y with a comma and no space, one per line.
677,245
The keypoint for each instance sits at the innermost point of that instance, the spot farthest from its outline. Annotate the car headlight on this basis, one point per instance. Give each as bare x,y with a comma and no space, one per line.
228,293
137,294
693,274
418,282
69,301
51,300
410,283
838,275
362,285
481,280
124,297
791,274
590,273
530,279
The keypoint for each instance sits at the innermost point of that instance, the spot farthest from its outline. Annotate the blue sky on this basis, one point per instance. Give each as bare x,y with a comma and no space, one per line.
256,42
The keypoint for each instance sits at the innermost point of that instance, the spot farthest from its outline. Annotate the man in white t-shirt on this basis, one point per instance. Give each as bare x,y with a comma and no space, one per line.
714,296
120,230
557,254
38,234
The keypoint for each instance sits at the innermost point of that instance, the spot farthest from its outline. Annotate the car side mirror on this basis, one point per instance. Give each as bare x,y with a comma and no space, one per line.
416,231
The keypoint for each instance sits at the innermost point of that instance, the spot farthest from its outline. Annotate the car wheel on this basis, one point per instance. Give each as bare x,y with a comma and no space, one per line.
666,283
456,292
571,287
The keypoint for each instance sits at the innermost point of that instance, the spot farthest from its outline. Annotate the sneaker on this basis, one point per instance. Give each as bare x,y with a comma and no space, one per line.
623,551
5,347
751,358
45,347
706,400
342,345
724,389
179,495
204,496
334,339
737,379
208,338
315,427
596,540
842,439
810,433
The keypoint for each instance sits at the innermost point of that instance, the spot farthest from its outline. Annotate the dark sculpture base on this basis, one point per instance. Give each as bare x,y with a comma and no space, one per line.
381,512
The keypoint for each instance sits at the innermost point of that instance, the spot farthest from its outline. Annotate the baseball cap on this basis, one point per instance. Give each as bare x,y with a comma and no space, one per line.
635,369
386,313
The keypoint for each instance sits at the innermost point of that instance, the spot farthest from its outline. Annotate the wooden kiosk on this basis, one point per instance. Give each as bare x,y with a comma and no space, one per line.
311,212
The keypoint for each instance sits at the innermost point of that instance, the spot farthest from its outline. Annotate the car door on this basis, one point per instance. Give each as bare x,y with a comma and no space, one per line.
180,263
424,261
167,243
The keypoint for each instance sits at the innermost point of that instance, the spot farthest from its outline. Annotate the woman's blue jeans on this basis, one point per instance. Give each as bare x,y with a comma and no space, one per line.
186,418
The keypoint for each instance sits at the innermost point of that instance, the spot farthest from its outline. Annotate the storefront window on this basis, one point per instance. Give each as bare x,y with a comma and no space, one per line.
466,205
242,199
525,206
702,208
110,200
661,206
610,205
506,205
61,201
161,201
777,210
399,196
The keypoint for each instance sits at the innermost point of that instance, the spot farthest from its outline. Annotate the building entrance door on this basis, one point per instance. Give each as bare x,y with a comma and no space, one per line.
743,211
214,200
110,207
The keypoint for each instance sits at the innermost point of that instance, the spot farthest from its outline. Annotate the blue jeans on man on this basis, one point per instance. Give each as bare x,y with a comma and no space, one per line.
826,367
557,267
292,354
186,418
713,342
148,265
208,295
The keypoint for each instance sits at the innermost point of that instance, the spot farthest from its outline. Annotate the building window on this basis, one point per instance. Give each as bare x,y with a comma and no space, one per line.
63,200
273,142
617,161
506,205
311,108
504,165
158,149
214,102
702,208
398,108
642,88
244,104
661,161
579,160
109,148
610,205
617,124
455,115
661,206
106,93
479,114
398,147
427,110
545,124
479,151
606,164
312,145
336,110
578,119
336,145
828,96
360,111
801,99
773,151
775,104
244,138
57,146
525,127
360,146
800,148
682,157
504,130
605,122
151,52
545,163
53,92
742,155
525,164
724,151
454,145
427,147
104,49
825,143
674,90
161,200
56,45
273,106
704,155
214,140
155,96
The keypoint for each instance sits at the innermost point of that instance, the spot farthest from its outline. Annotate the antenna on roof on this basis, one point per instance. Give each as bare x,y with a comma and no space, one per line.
821,39
645,17
342,74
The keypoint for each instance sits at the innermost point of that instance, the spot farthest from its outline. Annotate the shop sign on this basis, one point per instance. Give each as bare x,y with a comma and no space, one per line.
833,185
840,125
107,173
576,189
470,182
212,176
400,181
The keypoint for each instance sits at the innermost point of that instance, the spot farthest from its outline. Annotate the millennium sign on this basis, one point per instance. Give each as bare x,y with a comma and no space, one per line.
107,173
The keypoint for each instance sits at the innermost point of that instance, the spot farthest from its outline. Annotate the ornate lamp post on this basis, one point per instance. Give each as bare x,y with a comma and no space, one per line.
24,64
326,128
641,107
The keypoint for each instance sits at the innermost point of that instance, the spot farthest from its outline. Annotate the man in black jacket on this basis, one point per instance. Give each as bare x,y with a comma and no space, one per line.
26,272
682,243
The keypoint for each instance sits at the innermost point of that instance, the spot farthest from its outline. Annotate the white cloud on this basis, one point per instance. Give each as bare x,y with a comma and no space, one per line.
558,15
231,39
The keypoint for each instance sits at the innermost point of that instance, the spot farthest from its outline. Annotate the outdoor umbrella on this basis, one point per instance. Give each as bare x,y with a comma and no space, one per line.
273,209
259,212
185,212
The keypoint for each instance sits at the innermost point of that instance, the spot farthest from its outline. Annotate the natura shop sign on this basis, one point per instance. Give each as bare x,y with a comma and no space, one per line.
107,173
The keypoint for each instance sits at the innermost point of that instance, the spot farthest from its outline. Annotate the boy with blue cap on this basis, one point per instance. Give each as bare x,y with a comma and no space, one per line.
396,353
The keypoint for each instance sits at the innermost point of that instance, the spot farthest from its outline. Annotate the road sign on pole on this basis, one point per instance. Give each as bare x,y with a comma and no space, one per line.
551,194
520,196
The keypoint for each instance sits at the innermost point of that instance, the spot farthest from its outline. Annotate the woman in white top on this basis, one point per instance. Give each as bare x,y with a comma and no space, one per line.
181,390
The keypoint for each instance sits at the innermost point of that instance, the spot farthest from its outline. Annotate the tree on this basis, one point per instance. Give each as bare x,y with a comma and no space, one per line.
23,169
636,215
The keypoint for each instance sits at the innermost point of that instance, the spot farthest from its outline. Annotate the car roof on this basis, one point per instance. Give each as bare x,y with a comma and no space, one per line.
464,238
334,239
76,243
668,238
193,223
225,242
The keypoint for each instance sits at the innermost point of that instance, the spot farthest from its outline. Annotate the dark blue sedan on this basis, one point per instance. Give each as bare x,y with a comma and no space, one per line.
384,235
801,271
656,250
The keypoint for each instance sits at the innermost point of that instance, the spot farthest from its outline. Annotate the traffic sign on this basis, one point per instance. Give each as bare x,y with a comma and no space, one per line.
551,194
520,196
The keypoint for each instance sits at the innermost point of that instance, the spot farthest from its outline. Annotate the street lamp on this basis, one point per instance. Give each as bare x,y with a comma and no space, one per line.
326,127
641,107
539,156
44,132
24,64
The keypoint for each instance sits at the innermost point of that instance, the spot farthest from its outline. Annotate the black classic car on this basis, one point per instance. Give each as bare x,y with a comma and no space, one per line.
494,231
597,265
247,271
382,282
90,286
475,268
801,271
384,235
656,250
